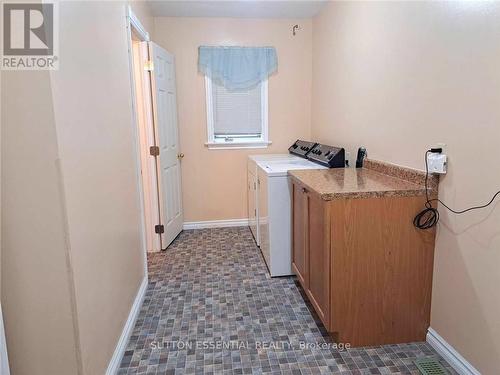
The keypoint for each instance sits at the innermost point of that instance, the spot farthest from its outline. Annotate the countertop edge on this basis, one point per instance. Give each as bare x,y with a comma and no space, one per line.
419,191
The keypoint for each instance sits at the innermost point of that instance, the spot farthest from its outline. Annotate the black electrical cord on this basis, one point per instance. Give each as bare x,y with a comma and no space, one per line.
429,216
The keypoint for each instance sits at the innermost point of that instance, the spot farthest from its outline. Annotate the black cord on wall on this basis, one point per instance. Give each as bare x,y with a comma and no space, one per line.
429,216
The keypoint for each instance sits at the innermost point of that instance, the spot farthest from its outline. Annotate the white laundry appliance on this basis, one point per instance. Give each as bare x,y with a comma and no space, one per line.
274,218
252,190
270,201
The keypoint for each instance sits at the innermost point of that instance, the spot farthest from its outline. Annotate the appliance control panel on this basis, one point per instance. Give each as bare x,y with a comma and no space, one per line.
329,156
301,148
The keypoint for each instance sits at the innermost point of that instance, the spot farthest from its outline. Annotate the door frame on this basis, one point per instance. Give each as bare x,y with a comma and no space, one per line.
134,26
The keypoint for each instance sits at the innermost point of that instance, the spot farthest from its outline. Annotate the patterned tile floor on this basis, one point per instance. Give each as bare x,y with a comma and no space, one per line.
211,308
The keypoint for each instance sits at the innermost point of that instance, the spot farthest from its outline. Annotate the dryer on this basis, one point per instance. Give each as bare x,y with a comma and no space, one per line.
253,192
298,150
274,220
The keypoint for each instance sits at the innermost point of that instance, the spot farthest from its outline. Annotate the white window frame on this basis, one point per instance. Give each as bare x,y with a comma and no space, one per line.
237,142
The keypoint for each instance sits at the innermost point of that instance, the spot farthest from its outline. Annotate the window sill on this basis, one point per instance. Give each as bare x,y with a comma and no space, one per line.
236,145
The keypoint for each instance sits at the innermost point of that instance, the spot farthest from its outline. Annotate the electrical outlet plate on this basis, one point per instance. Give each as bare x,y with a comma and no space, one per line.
437,163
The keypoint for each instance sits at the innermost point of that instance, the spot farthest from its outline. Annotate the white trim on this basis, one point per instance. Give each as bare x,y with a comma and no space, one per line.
215,224
265,109
237,145
262,142
137,25
132,24
448,352
114,364
210,110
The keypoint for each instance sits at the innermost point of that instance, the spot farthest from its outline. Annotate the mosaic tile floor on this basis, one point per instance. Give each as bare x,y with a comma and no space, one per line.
211,308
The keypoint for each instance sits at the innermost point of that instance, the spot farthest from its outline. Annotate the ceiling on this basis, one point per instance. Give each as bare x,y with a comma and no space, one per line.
237,8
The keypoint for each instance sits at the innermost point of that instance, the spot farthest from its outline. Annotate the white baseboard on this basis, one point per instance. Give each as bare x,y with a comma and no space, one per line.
448,352
114,364
215,224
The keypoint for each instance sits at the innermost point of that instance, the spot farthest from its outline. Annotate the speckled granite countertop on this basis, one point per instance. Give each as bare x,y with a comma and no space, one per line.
358,183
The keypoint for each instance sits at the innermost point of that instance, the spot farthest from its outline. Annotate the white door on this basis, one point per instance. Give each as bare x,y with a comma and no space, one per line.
169,168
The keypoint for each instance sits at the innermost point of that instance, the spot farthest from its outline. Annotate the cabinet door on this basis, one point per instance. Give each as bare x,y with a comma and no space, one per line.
318,251
299,215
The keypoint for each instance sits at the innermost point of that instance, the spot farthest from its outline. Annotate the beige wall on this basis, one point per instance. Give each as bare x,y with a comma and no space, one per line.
36,293
72,253
214,181
93,113
398,78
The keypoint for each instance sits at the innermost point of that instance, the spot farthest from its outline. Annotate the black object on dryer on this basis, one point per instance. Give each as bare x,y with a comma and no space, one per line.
329,156
301,148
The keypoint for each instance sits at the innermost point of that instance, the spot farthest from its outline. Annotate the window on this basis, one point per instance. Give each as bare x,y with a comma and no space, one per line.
236,119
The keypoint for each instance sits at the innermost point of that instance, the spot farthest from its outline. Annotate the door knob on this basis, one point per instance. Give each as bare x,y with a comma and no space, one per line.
180,155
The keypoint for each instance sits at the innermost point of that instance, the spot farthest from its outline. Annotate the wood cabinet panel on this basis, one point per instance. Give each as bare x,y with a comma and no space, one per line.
364,267
299,215
318,239
381,271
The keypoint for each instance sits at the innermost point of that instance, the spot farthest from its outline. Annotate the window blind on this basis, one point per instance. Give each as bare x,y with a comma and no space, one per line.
237,112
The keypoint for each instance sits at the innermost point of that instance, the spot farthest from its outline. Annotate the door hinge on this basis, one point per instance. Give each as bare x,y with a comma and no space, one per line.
149,66
154,151
159,229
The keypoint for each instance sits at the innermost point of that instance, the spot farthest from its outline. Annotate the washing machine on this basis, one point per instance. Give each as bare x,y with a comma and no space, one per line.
274,213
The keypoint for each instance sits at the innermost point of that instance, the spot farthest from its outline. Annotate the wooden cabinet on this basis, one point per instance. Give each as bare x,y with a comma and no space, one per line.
299,215
318,256
364,267
310,252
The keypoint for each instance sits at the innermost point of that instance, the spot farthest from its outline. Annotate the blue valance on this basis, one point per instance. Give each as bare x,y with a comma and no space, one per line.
237,67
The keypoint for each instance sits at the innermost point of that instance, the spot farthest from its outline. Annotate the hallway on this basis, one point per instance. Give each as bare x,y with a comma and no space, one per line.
211,289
